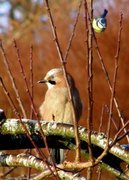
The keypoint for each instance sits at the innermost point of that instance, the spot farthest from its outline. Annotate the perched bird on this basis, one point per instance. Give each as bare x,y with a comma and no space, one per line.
56,105
99,24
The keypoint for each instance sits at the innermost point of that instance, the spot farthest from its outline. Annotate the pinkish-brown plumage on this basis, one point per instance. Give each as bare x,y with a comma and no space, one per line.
57,106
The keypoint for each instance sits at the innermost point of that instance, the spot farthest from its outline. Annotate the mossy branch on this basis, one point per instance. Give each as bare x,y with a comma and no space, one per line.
12,132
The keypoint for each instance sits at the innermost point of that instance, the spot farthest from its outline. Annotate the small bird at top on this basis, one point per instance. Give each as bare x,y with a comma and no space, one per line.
56,105
99,24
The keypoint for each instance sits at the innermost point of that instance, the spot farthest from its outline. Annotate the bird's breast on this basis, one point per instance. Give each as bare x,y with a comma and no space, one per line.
56,106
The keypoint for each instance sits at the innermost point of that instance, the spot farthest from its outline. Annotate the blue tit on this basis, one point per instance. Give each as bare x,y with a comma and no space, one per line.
99,24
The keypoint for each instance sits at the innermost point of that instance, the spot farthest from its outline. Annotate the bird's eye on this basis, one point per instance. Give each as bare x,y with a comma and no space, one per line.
51,77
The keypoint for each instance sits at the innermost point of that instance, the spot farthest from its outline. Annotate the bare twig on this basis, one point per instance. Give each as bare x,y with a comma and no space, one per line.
32,103
16,112
114,80
14,85
109,83
24,77
113,121
101,118
8,172
113,92
117,138
122,136
73,32
99,171
89,43
63,63
31,79
31,91
40,153
113,86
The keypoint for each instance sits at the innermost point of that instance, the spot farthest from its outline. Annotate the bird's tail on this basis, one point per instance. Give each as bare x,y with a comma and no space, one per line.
58,155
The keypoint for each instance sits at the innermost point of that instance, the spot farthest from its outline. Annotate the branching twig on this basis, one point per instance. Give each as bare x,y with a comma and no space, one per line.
24,77
5,60
13,128
116,138
63,63
109,83
113,92
89,43
113,121
17,113
24,127
73,32
114,79
31,100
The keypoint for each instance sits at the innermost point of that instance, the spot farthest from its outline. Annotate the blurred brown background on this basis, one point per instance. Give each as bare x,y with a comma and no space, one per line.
37,32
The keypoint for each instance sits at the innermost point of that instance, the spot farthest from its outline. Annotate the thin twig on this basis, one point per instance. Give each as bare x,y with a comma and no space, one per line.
122,136
14,85
31,79
32,103
101,119
73,32
89,45
8,172
16,112
63,64
114,81
116,138
25,79
109,83
40,153
31,91
11,169
113,92
113,121
99,171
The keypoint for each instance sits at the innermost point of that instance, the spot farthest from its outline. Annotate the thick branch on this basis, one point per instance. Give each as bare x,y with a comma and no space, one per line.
23,160
15,137
64,133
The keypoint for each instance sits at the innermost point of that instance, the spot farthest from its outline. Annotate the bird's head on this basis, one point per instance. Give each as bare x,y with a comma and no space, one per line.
53,77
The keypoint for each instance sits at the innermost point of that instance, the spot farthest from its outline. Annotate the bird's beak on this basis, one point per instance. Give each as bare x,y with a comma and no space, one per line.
42,81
